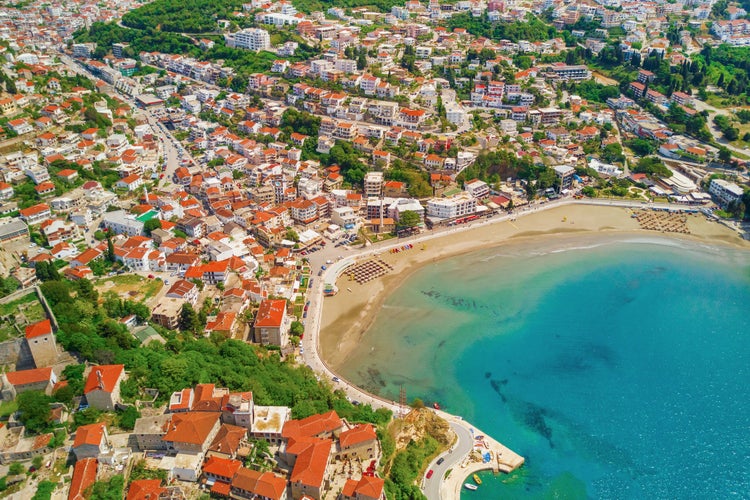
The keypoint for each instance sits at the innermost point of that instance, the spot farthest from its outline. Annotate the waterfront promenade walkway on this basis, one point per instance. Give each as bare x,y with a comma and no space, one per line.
438,486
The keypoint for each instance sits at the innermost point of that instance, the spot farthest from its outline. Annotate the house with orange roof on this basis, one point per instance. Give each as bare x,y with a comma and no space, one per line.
130,182
309,459
67,174
84,476
146,489
248,483
91,441
41,342
358,442
229,441
224,324
37,379
35,214
86,257
102,389
220,470
191,432
366,488
272,323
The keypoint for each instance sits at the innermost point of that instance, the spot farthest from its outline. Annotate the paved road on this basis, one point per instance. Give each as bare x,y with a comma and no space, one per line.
170,147
452,458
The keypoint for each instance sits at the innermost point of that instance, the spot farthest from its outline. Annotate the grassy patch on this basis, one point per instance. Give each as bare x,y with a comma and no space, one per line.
31,308
130,286
12,306
7,408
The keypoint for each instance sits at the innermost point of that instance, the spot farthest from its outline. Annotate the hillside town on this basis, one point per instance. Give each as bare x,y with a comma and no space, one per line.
183,191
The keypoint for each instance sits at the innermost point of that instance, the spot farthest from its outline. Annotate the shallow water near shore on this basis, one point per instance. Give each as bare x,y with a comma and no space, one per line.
618,368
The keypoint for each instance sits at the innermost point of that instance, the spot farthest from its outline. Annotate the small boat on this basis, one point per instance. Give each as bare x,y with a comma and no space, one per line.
476,479
436,406
472,487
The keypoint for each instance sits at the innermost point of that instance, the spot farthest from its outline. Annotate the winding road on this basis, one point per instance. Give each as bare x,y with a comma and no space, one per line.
434,487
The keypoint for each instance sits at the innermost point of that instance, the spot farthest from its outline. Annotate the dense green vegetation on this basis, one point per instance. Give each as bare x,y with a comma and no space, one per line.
406,466
315,5
641,147
149,40
108,490
533,29
730,133
492,167
652,165
44,490
92,331
592,91
184,16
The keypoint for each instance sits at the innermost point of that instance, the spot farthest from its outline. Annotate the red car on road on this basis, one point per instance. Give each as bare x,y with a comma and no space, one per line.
430,473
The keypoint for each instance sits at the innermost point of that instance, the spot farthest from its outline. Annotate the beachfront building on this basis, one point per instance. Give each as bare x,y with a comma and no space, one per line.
725,192
450,208
476,188
565,173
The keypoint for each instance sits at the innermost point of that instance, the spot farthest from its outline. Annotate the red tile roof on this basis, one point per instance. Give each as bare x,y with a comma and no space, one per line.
103,377
265,484
310,466
314,425
84,475
145,489
89,434
25,377
38,329
222,467
367,486
270,313
191,427
356,435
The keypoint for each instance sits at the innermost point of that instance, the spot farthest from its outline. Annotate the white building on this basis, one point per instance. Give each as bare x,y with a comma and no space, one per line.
725,192
477,189
449,208
250,39
373,184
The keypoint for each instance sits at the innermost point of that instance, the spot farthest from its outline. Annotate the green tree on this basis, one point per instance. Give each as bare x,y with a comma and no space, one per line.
189,320
44,490
8,285
34,410
292,235
16,468
408,219
110,255
126,418
108,490
151,225
297,328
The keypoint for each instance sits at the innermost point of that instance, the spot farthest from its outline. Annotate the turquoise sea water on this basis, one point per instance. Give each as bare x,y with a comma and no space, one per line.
619,368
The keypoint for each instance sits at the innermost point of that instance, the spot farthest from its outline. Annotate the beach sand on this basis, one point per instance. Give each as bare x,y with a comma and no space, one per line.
349,314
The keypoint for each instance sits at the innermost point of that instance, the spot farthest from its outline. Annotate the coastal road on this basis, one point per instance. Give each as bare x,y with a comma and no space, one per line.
434,487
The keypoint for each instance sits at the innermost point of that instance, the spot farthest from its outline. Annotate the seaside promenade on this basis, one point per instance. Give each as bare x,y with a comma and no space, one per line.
458,459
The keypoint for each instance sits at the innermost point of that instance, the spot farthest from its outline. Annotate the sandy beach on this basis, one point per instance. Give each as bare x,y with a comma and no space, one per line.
349,314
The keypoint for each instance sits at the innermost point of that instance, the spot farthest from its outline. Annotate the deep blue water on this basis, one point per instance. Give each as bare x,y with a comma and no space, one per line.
618,369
